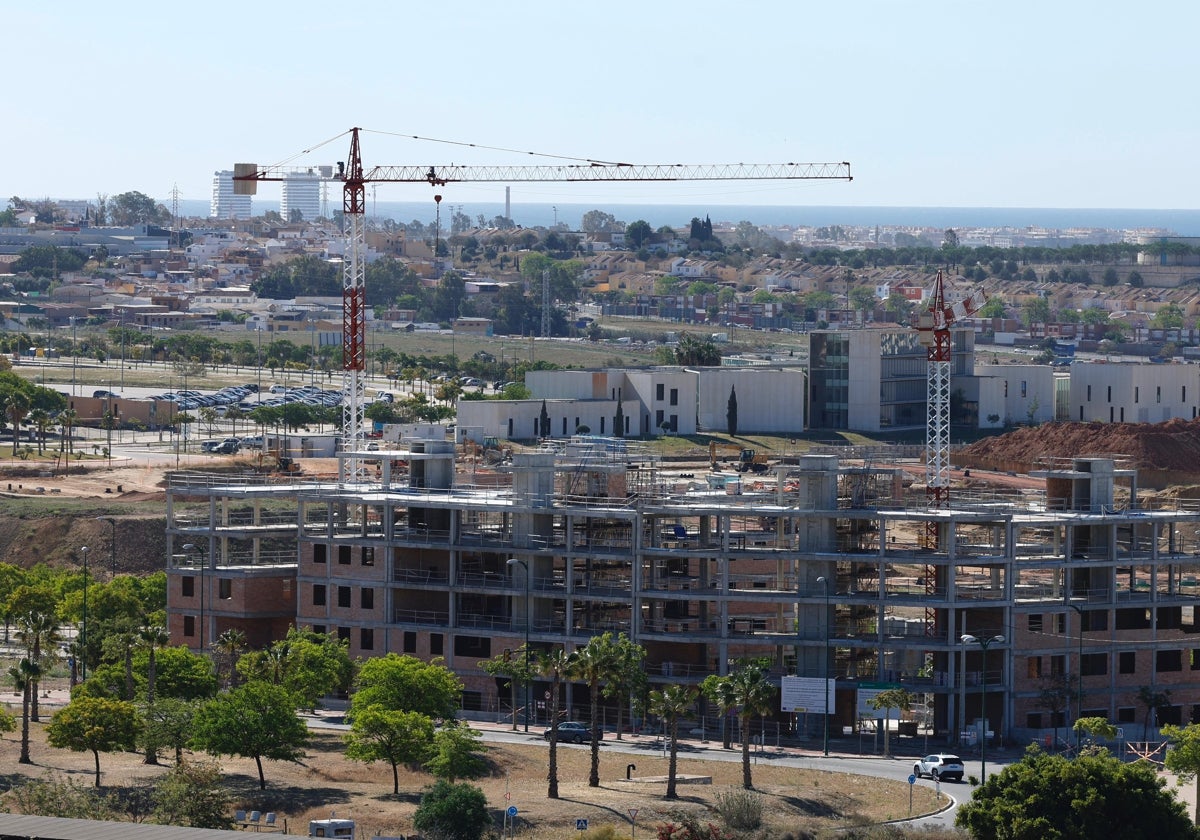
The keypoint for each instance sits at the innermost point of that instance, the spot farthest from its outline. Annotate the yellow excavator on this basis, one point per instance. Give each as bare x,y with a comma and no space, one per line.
748,460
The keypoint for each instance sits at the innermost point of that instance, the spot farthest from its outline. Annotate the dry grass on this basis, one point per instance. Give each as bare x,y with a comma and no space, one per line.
326,782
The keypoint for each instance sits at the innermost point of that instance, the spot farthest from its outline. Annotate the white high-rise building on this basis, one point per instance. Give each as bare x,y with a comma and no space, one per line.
302,193
226,205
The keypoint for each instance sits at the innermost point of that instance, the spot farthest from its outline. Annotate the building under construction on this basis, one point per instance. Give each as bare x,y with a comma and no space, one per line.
821,566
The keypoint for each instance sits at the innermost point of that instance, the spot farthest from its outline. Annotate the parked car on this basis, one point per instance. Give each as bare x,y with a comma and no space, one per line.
572,732
279,389
210,445
255,442
941,766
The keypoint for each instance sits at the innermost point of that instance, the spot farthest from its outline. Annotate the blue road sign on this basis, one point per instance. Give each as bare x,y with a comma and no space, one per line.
581,825
912,779
512,810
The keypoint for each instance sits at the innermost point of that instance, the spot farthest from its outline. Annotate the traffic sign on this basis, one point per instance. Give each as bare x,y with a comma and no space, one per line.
512,810
912,778
581,824
633,812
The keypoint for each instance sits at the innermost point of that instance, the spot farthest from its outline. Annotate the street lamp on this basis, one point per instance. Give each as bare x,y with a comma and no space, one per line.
517,561
968,639
74,352
1078,677
113,546
825,665
200,552
83,553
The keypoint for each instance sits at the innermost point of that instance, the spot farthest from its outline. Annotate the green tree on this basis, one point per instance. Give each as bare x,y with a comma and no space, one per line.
1169,316
16,407
995,307
1183,757
692,352
457,753
256,720
863,299
452,812
892,698
1036,311
517,667
731,412
670,704
407,684
557,666
749,692
94,724
135,208
594,664
627,682
378,734
638,233
309,665
1049,796
167,723
192,794
23,675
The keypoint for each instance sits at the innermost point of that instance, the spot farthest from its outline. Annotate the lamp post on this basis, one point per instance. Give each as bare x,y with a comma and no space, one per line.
968,639
1078,676
825,665
83,553
113,543
517,561
74,352
200,552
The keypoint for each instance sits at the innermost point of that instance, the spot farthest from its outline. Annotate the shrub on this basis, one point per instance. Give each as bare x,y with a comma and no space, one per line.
740,809
452,812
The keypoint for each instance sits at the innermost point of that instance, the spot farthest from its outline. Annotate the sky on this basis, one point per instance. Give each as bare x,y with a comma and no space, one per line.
958,103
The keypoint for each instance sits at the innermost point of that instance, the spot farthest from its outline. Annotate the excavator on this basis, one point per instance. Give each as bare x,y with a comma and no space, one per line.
748,460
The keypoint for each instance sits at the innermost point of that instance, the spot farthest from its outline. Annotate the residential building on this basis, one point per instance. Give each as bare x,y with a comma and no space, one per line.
301,196
820,569
225,204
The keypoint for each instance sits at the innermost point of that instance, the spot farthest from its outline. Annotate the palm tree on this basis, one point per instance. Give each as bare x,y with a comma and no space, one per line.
38,631
750,692
557,666
24,676
40,418
15,408
670,704
229,646
152,637
66,421
594,664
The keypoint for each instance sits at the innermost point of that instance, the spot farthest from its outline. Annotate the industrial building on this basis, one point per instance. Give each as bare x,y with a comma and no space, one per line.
822,567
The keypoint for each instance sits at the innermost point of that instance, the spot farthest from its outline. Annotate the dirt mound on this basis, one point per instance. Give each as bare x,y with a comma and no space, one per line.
1173,445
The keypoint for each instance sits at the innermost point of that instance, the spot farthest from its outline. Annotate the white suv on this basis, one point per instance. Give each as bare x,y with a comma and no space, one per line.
940,766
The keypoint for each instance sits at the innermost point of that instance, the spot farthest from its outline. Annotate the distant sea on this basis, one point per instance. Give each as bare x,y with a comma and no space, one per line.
1179,222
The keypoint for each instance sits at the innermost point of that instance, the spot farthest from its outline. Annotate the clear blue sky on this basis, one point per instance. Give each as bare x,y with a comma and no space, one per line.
954,103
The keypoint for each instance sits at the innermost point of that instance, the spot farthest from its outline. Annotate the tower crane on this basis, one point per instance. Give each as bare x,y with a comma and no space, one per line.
933,327
355,177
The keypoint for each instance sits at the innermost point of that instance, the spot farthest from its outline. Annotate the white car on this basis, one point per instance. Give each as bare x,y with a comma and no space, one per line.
940,766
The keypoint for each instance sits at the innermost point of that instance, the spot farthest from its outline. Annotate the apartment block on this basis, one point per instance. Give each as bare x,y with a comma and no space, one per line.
822,568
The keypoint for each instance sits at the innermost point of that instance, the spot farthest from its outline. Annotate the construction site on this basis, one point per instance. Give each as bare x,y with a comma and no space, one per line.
821,567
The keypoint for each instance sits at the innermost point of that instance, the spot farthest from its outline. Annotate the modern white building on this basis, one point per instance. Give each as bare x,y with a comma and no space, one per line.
1011,394
873,379
301,195
769,400
226,205
1132,392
